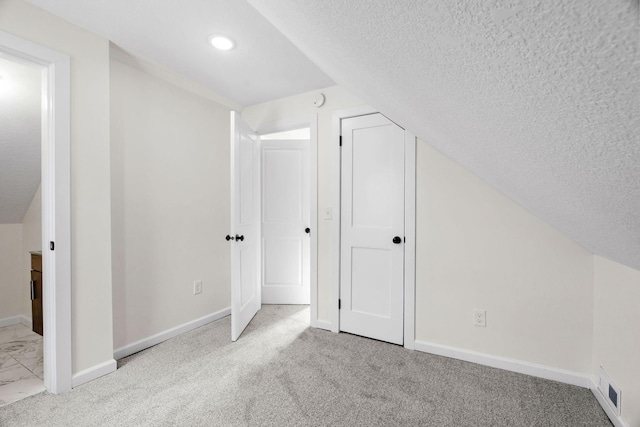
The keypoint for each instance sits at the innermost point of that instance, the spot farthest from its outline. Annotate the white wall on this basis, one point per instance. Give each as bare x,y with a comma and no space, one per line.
478,249
16,241
301,106
90,195
31,241
616,340
11,279
170,204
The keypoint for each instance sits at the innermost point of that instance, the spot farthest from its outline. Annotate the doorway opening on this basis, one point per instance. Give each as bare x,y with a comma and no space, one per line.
54,69
289,146
21,321
285,216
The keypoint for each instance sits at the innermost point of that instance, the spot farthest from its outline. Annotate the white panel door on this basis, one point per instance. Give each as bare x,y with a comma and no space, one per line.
245,225
372,228
285,221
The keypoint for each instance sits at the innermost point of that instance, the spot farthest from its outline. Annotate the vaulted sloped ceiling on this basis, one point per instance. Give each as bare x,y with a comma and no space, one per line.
20,104
538,98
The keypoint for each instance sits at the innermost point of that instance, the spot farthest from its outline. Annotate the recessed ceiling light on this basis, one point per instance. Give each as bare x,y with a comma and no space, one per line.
221,42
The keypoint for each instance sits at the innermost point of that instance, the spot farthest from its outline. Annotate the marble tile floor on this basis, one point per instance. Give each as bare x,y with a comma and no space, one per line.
21,363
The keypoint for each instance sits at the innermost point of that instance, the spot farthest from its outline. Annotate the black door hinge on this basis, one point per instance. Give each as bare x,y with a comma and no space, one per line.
51,245
340,140
339,304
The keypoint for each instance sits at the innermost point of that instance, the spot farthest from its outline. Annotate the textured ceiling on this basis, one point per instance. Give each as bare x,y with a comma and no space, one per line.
538,98
19,139
263,66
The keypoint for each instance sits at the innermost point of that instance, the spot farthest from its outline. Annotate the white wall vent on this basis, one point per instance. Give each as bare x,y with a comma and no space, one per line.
610,391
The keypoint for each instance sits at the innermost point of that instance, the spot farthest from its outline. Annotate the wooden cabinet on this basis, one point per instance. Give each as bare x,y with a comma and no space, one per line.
36,292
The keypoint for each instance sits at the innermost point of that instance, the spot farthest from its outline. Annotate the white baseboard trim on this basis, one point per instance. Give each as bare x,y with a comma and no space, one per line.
514,365
615,419
93,372
145,343
10,321
15,320
321,324
26,321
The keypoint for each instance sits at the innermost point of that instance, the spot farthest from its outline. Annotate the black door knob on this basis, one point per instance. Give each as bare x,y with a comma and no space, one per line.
228,238
307,230
397,240
239,238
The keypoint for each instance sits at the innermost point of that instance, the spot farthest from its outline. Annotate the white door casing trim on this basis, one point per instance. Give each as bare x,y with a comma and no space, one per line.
410,225
410,235
312,123
56,203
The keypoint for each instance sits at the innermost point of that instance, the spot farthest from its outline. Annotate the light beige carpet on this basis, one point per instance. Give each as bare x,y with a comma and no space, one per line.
283,373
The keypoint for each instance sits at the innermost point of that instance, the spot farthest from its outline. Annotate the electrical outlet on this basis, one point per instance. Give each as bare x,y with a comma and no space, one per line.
197,287
479,317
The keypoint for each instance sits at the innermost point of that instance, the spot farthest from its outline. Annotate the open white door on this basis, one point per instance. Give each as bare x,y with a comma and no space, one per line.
245,225
372,228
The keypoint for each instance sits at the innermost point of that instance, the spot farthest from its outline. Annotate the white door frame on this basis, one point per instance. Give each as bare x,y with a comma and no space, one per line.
409,223
312,123
56,203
